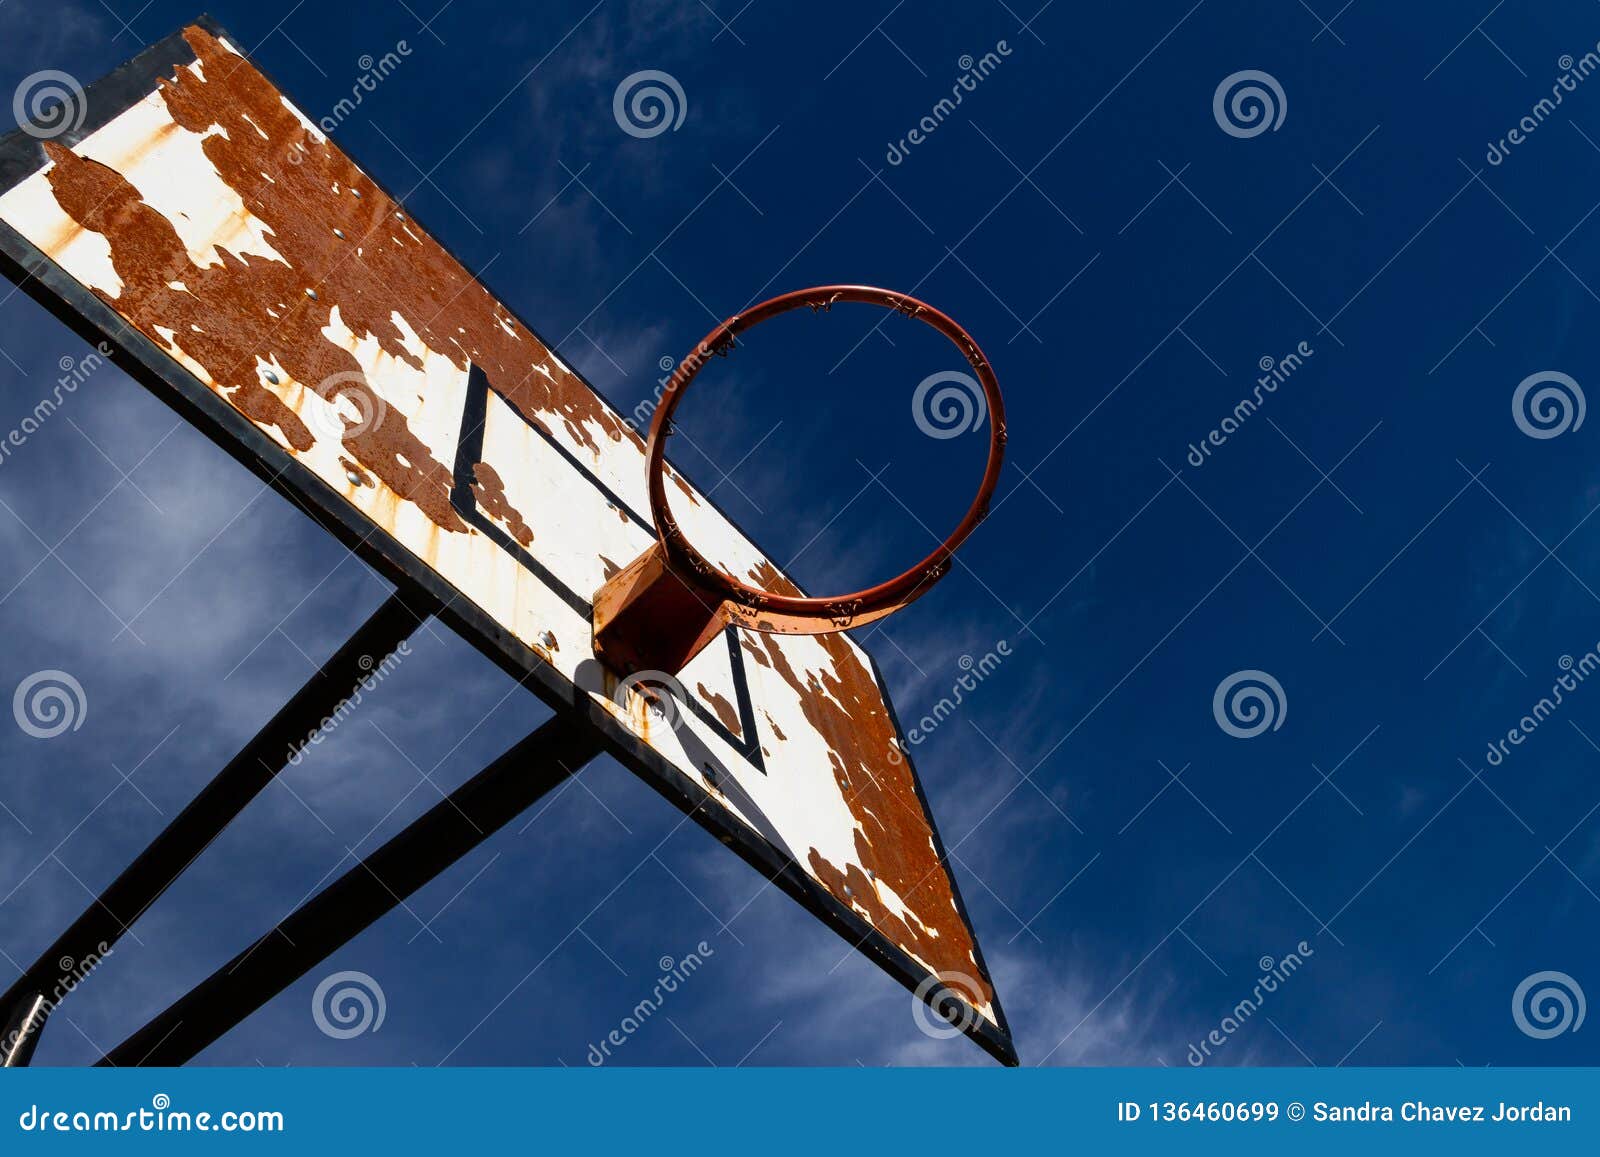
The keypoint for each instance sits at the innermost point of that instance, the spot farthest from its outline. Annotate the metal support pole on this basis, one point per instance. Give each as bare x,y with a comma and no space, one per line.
28,1002
21,1030
453,827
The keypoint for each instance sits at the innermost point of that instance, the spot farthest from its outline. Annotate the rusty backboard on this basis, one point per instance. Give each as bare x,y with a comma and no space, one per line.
248,272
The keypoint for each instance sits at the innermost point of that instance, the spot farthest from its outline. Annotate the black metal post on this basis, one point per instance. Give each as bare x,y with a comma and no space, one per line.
21,1035
28,1002
452,828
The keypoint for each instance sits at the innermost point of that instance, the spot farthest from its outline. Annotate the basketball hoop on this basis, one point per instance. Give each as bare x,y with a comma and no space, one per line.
662,608
489,496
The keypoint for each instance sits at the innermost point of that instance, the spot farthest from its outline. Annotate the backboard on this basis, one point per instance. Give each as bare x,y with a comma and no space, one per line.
248,272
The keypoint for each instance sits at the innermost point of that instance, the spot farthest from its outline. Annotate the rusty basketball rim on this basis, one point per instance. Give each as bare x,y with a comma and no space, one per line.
661,609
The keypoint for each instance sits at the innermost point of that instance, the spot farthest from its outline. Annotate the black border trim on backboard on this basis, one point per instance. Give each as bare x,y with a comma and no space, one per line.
469,453
91,319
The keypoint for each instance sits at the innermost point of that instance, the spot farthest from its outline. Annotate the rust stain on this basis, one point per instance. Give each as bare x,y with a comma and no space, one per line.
678,481
383,266
776,730
490,491
608,567
348,250
893,842
724,710
354,472
746,638
222,317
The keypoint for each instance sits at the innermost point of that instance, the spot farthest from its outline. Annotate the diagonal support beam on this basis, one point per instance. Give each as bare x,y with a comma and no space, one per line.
27,1004
456,825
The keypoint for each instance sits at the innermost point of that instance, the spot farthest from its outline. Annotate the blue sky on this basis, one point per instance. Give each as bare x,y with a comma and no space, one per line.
1380,536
